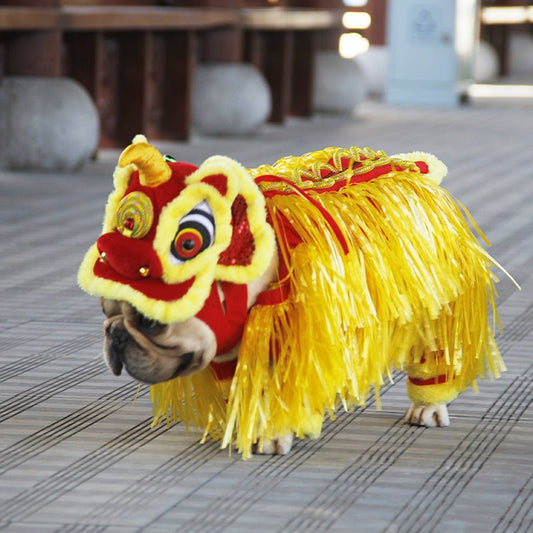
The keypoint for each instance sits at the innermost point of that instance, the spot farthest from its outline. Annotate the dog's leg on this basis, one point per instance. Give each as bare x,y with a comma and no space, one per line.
430,387
280,446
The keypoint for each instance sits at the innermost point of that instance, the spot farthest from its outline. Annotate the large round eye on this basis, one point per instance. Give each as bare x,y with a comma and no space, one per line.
135,215
196,232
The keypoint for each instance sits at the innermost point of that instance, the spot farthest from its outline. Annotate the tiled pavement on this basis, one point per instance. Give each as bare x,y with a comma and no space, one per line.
77,455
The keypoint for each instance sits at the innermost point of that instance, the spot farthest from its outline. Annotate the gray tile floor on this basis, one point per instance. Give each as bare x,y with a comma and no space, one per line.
77,455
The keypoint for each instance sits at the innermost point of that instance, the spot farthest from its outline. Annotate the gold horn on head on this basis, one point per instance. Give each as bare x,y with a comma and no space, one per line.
153,169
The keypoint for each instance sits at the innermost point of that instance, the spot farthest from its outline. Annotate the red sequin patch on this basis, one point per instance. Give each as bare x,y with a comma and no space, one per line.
242,245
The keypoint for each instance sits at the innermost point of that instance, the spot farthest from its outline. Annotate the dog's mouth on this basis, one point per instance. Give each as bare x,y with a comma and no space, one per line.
134,346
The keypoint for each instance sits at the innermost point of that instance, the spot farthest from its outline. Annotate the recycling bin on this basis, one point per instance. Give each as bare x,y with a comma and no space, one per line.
431,51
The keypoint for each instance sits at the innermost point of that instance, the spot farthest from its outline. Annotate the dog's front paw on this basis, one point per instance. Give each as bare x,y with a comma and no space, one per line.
280,446
434,415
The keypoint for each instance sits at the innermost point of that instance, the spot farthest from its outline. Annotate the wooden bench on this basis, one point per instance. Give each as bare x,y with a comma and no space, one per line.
282,44
137,61
25,18
25,34
138,64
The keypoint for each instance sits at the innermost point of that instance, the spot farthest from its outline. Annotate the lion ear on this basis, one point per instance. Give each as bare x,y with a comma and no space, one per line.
252,243
226,176
217,181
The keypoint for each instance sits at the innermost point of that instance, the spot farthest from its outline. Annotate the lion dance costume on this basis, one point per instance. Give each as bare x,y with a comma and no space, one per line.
378,269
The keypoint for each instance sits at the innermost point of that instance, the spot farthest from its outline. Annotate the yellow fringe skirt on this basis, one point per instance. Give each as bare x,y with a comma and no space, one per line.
414,282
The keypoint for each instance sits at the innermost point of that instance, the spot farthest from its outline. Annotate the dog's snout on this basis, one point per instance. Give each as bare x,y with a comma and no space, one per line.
151,351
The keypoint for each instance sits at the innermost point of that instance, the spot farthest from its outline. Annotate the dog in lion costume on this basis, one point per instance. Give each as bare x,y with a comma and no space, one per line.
256,301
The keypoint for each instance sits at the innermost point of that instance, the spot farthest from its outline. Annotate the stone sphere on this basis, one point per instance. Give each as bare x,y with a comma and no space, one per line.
47,124
374,64
229,99
486,63
339,83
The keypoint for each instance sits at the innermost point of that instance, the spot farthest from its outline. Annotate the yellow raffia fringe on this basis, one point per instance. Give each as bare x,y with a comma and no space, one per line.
415,282
198,400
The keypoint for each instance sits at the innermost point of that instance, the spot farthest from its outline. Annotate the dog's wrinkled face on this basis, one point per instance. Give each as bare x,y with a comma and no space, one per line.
150,351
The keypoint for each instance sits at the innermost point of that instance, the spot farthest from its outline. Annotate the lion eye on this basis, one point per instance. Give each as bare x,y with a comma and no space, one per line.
196,232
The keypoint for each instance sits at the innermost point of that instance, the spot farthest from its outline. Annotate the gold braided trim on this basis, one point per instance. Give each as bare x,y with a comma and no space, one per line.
307,171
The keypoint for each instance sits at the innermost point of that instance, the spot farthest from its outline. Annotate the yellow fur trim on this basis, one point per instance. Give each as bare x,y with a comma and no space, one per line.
437,169
220,164
139,138
162,311
240,182
433,394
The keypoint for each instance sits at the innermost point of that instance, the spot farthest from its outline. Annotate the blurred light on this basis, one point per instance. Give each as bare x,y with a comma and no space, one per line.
351,44
356,20
355,3
480,90
507,15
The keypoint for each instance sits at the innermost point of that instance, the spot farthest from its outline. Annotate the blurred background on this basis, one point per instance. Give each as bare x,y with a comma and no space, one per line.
80,75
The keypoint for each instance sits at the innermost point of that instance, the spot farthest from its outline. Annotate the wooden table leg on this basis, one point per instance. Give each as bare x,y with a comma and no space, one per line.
303,70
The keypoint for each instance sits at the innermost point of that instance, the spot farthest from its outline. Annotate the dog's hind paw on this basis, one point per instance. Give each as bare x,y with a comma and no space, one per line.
280,446
434,415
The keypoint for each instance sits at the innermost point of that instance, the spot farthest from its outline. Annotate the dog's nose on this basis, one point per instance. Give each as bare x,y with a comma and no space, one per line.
118,334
